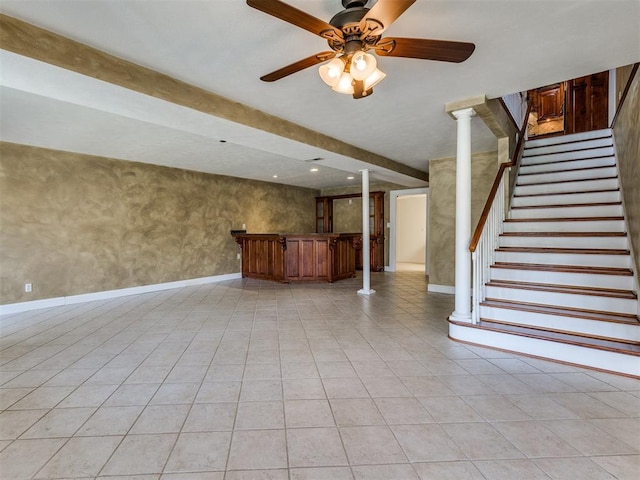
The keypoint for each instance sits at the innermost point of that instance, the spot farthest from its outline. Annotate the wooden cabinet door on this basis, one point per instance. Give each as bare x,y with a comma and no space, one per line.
550,102
324,215
588,103
307,259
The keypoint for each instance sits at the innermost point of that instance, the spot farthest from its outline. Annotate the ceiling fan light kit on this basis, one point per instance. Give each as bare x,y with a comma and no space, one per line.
362,65
330,72
351,33
345,84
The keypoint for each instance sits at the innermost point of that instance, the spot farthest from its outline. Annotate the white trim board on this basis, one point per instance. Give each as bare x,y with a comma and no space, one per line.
441,288
108,294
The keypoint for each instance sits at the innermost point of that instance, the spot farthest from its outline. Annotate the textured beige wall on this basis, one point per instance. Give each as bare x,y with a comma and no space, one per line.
622,76
627,138
442,207
73,224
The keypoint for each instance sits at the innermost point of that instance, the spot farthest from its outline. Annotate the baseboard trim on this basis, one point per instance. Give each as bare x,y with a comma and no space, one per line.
441,289
108,294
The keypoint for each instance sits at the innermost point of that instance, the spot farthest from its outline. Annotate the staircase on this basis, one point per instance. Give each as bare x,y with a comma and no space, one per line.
561,284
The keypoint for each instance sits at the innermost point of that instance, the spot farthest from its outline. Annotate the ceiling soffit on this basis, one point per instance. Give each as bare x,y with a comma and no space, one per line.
30,41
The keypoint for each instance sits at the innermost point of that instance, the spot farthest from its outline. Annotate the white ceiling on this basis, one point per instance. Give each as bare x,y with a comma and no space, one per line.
224,46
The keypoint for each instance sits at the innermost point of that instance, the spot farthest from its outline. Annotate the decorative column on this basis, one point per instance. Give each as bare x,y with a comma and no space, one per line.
462,312
366,247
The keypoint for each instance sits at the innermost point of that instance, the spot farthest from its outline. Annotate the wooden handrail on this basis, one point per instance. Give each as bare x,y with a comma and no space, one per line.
496,183
487,206
517,154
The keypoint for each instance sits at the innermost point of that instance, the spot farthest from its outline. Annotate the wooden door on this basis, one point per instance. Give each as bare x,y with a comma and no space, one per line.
588,103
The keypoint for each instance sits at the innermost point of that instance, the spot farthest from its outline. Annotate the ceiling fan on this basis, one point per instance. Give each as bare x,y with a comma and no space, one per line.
350,34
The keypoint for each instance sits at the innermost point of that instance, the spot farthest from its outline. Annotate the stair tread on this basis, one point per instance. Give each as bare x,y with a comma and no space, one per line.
531,154
540,159
564,234
524,157
578,192
563,311
587,251
548,172
544,143
602,343
555,182
569,289
524,162
564,219
570,205
564,268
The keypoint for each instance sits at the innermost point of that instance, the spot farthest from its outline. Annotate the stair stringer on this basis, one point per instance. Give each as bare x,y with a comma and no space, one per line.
635,268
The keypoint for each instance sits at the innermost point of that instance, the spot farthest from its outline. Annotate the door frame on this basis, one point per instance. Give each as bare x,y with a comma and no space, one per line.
393,205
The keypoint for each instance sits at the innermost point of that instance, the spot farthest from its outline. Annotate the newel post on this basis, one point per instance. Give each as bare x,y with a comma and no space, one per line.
462,312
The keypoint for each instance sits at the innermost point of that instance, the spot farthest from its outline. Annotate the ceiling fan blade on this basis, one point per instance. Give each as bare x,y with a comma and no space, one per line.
425,49
383,14
297,66
297,17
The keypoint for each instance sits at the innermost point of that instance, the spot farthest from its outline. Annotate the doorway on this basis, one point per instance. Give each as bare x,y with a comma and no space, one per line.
408,230
573,106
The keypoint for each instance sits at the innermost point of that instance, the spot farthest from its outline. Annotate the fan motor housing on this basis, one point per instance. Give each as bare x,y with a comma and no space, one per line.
348,21
354,3
350,15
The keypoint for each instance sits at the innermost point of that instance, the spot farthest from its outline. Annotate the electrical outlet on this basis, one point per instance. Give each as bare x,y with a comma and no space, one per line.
28,287
244,226
238,256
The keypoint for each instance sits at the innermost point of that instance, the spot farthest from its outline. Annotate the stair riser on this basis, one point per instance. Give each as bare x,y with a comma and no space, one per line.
560,157
569,212
564,226
620,282
570,165
592,173
566,147
573,137
565,242
622,331
569,300
566,199
580,259
600,359
567,187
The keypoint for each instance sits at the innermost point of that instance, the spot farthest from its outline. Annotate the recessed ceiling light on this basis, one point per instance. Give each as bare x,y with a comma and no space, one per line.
349,178
314,169
275,176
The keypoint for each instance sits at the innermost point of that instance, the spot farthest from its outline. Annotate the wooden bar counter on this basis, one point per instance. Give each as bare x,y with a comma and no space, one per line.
308,257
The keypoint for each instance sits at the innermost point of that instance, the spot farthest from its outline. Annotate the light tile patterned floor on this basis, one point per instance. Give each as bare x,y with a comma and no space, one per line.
257,380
